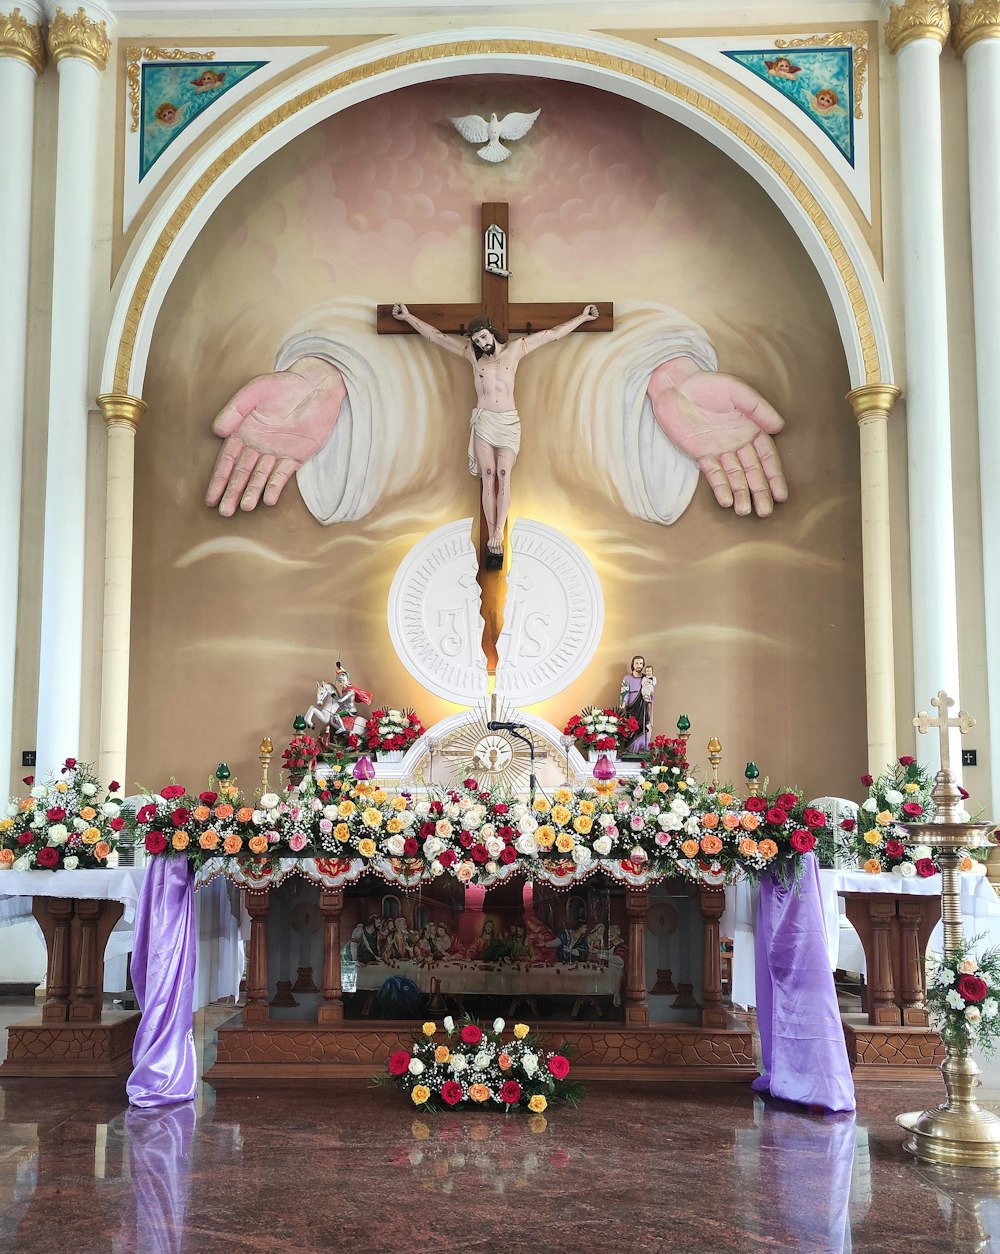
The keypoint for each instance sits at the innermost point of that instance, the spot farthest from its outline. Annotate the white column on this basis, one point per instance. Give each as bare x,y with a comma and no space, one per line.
916,32
977,39
79,45
22,58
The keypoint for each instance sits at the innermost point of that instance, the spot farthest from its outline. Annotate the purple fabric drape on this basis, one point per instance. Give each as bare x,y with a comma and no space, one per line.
159,1149
801,1037
165,1068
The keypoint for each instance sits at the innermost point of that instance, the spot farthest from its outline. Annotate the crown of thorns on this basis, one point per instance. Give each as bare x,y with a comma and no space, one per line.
480,324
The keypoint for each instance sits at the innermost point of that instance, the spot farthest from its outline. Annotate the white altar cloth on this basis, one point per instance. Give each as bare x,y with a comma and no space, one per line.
980,917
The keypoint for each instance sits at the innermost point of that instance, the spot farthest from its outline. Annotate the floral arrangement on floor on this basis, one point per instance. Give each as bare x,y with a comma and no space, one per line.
388,731
963,997
603,731
69,822
669,752
472,1066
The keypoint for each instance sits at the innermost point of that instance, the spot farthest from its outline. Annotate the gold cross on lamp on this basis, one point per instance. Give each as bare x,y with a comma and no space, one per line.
948,797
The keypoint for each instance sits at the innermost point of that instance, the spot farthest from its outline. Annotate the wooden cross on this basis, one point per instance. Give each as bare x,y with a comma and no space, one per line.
507,317
964,722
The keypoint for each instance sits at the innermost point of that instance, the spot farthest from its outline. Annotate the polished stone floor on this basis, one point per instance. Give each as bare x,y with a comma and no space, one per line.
346,1167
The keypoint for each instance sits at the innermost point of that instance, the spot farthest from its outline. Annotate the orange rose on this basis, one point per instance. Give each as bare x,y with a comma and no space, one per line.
442,1054
257,844
6,857
690,848
224,811
201,813
504,1062
965,864
479,1093
91,835
244,814
767,849
748,847
710,820
88,813
730,821
232,844
873,866
180,840
711,844
101,850
726,798
749,822
27,804
209,839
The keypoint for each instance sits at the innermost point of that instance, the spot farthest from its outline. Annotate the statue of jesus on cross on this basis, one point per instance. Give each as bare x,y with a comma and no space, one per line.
495,435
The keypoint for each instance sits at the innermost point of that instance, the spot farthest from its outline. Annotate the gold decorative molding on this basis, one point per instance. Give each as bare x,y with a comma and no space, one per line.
22,39
976,20
873,400
134,57
79,36
121,410
619,65
856,39
917,19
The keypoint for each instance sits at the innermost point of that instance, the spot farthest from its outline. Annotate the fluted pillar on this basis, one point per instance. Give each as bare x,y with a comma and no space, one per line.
977,40
872,405
22,58
121,416
915,32
79,45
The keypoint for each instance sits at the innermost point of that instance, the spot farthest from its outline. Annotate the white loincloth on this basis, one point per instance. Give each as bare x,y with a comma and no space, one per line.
497,429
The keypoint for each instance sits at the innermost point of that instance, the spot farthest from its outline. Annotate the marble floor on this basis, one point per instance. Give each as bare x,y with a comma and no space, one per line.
346,1167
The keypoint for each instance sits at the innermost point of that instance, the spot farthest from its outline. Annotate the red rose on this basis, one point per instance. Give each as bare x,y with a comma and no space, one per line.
803,841
510,1093
926,867
963,793
506,833
116,825
470,783
156,842
146,814
410,846
848,825
451,1092
907,761
508,855
775,817
559,1066
426,829
787,801
813,818
756,805
471,1035
69,765
208,798
399,1062
47,857
114,786
913,808
28,779
25,838
437,808
448,858
180,817
894,848
971,987
172,791
56,814
500,808
480,854
867,780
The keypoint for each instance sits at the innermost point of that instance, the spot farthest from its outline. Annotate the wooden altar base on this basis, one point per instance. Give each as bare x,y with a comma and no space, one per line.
36,1047
892,1052
303,1051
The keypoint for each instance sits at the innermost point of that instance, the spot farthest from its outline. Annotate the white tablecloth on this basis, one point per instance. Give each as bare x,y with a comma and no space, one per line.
980,917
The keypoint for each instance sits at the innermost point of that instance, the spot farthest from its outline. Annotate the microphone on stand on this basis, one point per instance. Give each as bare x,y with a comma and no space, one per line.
495,726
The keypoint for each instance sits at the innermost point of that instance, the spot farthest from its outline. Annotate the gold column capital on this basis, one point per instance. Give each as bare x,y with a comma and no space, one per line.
917,19
976,20
121,410
79,36
22,39
872,400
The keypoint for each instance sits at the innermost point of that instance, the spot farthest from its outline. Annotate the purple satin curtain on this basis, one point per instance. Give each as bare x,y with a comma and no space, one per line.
801,1037
822,1150
165,1068
159,1149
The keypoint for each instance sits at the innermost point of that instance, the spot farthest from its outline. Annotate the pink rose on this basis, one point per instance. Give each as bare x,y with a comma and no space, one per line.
471,1034
399,1062
297,842
559,1066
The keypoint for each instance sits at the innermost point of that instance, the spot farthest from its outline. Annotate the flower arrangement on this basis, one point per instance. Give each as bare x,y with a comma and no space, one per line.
388,731
963,997
301,754
69,822
901,794
474,1066
669,752
603,731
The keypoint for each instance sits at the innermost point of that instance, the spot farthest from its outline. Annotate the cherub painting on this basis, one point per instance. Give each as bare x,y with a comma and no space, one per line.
825,103
783,68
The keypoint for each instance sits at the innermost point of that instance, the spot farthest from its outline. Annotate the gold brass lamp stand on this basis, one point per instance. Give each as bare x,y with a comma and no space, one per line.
959,1133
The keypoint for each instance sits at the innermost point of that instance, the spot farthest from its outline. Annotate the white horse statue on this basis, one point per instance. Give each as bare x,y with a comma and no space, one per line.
336,710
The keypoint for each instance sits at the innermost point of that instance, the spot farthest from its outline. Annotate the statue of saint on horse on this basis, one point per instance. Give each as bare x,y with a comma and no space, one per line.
336,706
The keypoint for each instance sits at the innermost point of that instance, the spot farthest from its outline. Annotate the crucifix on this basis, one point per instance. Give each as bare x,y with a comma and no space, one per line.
965,723
504,317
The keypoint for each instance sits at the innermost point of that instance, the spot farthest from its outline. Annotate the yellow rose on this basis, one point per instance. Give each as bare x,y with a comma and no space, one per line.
873,866
538,1123
479,1093
398,803
564,842
393,826
429,1029
586,807
62,786
537,1104
420,1094
873,838
420,1130
545,836
88,813
91,836
681,786
541,805
521,1030
336,768
346,809
883,818
342,832
562,796
910,787
560,815
583,824
367,847
6,825
371,818
380,796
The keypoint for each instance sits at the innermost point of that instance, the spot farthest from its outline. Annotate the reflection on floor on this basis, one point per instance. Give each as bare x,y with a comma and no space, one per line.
344,1167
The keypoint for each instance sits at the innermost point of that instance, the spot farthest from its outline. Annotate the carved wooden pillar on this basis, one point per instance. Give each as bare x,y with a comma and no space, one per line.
713,902
257,1010
917,919
636,909
331,906
54,916
85,1004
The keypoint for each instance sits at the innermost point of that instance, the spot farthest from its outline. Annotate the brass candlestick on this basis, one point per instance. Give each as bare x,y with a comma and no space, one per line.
959,1133
715,757
265,754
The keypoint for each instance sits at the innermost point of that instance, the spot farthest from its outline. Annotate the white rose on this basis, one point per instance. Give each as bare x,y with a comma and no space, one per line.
395,845
978,868
481,1062
39,820
457,1063
58,834
681,807
80,825
492,867
582,855
973,1014
38,791
436,868
920,851
473,817
692,826
529,1062
968,966
494,847
526,844
110,809
111,860
963,816
407,818
23,863
269,801
330,812
452,810
670,822
499,1025
259,818
518,810
893,797
527,823
423,808
416,1067
487,831
71,862
907,870
449,1023
432,846
602,846
89,790
12,810
870,805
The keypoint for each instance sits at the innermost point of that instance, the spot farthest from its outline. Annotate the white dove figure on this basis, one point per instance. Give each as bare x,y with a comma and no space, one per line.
478,131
